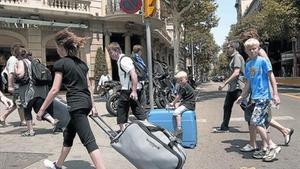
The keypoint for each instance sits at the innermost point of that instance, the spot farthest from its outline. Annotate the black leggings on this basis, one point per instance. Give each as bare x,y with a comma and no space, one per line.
79,124
36,104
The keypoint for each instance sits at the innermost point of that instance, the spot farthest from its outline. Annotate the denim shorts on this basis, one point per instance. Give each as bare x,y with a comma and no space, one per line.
260,114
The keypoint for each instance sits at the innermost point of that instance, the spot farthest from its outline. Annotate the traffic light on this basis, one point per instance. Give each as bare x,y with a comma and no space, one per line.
149,8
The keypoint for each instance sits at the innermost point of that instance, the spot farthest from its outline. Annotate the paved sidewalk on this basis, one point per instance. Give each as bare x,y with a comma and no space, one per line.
18,152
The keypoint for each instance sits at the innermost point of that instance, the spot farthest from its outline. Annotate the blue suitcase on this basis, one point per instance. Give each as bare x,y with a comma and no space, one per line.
164,118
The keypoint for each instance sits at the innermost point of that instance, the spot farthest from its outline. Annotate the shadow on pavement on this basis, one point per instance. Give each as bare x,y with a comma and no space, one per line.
18,160
38,131
235,146
78,164
204,96
232,129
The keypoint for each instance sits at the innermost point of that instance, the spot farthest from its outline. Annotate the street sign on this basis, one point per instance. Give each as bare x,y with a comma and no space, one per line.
131,6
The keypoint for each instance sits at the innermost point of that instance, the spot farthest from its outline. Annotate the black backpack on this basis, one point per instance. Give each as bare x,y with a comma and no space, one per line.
41,75
140,68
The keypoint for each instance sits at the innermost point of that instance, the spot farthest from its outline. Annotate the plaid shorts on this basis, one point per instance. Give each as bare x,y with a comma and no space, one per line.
260,114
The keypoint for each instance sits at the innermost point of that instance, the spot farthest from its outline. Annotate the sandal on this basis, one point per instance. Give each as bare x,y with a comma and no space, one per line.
28,134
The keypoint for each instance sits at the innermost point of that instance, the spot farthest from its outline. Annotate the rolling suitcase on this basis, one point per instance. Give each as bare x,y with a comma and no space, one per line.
164,118
145,145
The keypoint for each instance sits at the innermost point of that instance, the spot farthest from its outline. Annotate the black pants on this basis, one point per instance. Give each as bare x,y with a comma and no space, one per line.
79,124
228,104
36,103
124,102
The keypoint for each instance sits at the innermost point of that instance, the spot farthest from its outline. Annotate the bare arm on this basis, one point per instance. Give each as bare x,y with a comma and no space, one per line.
52,93
245,92
234,75
274,87
90,86
134,82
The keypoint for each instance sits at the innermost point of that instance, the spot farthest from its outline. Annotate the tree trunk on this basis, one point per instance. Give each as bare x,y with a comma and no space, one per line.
176,43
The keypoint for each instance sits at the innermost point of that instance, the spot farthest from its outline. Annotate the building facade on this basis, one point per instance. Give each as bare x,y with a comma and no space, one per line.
34,23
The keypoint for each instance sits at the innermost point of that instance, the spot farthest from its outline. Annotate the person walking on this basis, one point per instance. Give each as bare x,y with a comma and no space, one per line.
235,83
258,73
286,132
13,88
30,95
131,88
73,72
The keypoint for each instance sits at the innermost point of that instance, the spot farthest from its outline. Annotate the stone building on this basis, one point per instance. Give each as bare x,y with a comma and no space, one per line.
34,23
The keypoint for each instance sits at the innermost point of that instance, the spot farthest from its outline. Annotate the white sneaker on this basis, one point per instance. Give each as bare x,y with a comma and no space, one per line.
248,148
49,164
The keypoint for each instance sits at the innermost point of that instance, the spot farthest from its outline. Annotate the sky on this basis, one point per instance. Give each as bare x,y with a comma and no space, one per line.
226,12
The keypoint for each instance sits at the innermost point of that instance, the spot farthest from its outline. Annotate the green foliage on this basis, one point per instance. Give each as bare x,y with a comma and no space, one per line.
221,65
277,20
100,64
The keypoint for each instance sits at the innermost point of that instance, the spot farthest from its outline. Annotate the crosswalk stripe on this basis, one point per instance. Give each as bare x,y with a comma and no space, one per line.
274,117
290,95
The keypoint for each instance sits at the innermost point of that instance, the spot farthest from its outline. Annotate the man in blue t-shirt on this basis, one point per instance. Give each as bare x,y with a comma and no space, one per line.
258,72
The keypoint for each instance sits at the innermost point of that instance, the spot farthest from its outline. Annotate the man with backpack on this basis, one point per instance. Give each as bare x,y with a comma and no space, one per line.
130,91
138,62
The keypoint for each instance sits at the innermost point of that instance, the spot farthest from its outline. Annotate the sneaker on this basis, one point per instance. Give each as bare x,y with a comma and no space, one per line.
259,154
248,148
287,138
220,130
178,133
50,165
272,154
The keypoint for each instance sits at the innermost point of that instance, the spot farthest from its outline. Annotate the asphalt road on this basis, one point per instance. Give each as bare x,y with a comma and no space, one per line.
221,150
214,151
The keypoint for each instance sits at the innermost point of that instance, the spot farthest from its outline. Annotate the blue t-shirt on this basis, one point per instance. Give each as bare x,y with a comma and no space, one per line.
257,74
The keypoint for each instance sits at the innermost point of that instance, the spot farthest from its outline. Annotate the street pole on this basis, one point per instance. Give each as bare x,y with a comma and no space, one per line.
149,58
193,69
294,43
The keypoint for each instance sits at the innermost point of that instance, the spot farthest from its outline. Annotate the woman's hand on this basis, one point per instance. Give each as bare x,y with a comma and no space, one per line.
94,112
39,116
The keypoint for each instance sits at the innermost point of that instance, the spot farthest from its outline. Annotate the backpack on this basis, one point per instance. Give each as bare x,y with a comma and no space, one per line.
25,79
41,75
140,67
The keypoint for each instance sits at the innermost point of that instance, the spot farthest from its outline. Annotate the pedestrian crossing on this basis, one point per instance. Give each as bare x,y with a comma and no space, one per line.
237,119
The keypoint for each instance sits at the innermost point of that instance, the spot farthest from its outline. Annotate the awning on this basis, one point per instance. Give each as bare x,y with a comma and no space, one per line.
19,21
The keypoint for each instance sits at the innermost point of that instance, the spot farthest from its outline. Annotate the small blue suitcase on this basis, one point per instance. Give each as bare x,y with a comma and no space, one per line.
164,118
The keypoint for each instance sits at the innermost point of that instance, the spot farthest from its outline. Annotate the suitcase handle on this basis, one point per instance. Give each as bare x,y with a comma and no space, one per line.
109,131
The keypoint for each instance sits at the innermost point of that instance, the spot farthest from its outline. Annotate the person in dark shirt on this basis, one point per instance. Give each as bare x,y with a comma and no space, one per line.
187,97
73,72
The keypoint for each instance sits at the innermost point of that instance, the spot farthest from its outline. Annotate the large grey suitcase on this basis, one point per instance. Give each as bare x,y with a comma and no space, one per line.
146,146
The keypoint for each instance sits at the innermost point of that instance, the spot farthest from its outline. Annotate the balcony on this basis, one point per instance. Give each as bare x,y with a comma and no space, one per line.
71,6
113,7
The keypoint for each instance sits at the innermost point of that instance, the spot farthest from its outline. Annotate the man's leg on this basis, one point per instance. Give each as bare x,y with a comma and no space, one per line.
123,108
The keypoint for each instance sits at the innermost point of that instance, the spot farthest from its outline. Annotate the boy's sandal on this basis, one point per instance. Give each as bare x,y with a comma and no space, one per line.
28,134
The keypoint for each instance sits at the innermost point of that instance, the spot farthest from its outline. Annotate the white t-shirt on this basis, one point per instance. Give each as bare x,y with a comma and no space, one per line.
10,64
127,66
10,67
104,78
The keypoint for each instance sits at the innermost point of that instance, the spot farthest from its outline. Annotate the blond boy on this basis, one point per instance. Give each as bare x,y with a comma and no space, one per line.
186,96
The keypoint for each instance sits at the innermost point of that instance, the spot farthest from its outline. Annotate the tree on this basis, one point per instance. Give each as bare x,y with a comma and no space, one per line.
100,66
177,8
190,17
276,20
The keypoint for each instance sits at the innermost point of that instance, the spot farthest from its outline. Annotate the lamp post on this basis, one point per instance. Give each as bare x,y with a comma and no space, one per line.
294,43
